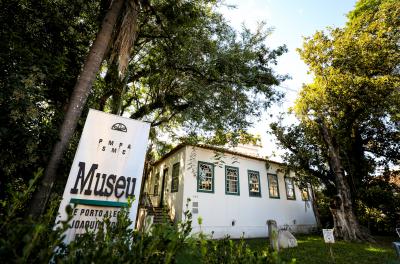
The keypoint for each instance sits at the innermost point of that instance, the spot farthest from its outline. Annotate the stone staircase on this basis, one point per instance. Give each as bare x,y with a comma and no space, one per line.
161,215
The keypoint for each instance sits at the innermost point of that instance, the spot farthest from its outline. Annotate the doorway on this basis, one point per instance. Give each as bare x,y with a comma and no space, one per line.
165,173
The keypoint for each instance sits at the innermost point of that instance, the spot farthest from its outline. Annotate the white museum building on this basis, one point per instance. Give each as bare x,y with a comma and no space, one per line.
234,192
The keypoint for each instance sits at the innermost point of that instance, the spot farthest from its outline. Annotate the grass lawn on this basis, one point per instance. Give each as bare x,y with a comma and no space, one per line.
312,249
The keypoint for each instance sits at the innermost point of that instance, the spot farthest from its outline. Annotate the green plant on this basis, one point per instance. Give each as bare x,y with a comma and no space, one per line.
29,241
26,240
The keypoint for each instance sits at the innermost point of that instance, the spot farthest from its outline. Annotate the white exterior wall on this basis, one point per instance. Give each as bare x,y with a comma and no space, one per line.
174,200
250,214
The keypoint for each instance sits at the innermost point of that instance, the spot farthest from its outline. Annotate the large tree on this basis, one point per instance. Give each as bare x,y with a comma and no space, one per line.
350,113
184,65
42,49
169,61
76,103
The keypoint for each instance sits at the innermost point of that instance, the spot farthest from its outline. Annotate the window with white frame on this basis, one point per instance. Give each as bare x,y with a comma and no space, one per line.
290,194
254,183
232,180
205,177
175,177
273,186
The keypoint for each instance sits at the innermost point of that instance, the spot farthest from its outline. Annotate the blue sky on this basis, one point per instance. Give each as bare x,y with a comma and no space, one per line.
292,20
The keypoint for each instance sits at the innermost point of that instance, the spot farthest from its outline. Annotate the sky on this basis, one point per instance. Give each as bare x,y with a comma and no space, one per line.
291,20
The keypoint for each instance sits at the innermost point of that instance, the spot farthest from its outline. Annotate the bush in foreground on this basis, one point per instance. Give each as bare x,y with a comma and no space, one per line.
35,241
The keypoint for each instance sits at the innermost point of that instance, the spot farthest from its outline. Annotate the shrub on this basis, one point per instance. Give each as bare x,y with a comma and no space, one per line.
35,241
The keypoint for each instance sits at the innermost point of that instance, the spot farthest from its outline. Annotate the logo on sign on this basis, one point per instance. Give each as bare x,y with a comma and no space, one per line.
119,127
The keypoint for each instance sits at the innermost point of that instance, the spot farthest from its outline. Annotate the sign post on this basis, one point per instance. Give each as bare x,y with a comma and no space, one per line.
106,171
328,235
329,239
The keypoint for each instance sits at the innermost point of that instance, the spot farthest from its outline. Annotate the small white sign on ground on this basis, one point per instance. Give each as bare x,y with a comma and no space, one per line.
106,171
328,235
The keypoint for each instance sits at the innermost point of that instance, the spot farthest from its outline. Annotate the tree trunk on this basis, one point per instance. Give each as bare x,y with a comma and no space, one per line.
146,172
345,221
314,203
78,99
357,164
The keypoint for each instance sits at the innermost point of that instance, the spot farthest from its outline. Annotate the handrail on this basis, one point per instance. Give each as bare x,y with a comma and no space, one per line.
146,201
148,204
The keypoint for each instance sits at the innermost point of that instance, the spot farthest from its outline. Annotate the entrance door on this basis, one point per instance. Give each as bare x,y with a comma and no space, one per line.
165,173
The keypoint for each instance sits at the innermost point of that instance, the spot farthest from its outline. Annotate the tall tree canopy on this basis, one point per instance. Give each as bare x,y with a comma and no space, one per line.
42,49
173,63
350,114
191,67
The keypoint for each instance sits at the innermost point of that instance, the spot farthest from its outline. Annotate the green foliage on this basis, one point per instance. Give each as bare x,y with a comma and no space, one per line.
355,95
22,239
230,251
355,89
366,6
191,70
312,249
36,241
380,205
188,68
307,155
221,137
17,196
325,216
43,46
163,244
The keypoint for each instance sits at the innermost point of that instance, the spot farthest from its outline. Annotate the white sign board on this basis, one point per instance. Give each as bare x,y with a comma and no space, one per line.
328,235
106,171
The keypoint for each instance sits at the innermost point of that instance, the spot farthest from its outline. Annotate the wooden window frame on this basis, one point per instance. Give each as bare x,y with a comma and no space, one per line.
175,177
252,193
212,177
226,181
293,187
277,186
